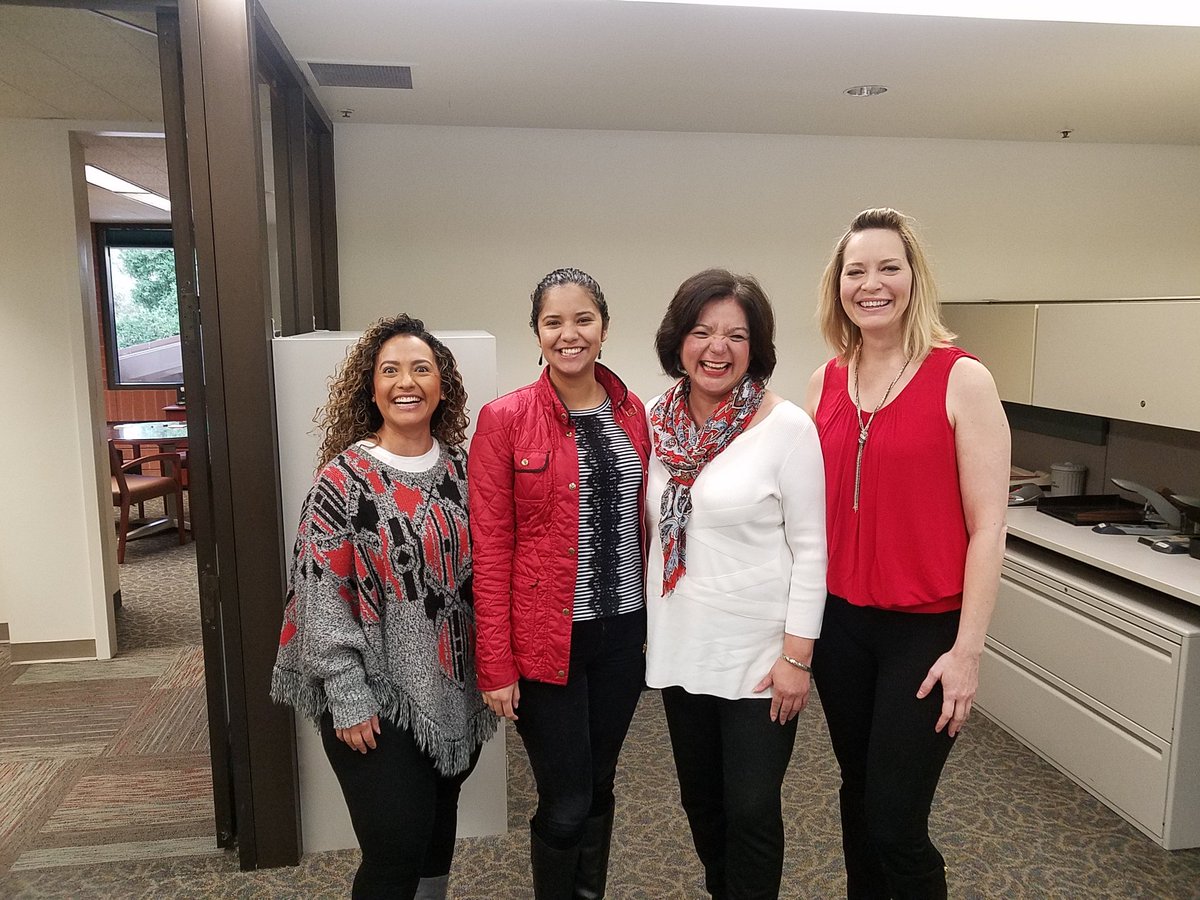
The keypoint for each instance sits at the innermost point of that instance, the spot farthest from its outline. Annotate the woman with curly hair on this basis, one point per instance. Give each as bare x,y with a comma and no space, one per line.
378,635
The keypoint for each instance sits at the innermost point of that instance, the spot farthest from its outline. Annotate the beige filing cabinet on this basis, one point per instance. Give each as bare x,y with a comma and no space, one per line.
1092,672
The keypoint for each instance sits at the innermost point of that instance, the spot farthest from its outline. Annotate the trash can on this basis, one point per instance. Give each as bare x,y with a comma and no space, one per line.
1066,479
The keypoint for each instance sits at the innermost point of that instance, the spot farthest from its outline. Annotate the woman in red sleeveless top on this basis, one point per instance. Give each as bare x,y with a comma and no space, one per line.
916,450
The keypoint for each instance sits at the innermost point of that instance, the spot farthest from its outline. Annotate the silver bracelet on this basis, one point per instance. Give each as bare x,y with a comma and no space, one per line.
792,661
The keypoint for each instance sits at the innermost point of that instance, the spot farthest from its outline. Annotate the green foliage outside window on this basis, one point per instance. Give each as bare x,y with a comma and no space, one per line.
150,309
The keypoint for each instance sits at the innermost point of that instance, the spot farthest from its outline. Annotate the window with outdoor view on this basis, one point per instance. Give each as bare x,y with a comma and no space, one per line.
141,308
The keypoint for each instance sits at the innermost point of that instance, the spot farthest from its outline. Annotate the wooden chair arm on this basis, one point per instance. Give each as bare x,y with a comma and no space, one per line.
172,458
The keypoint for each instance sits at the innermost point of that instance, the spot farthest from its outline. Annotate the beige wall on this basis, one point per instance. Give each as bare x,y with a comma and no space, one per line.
53,546
457,224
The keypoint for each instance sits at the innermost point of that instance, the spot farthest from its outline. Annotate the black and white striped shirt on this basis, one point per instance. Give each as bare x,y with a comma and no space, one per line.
609,578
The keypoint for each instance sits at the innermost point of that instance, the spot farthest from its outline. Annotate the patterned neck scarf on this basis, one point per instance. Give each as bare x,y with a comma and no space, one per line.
685,450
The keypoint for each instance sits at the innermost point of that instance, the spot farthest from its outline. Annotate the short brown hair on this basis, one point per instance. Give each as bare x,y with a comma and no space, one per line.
718,284
923,326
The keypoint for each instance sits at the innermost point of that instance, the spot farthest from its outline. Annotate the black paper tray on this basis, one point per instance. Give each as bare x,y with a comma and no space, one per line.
1091,509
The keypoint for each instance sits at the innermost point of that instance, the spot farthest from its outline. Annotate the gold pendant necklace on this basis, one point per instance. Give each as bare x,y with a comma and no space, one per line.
864,429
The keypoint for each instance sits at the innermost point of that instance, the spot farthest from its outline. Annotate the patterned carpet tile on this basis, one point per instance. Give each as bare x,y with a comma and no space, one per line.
165,821
168,848
53,696
186,671
133,796
29,792
127,811
166,722
142,664
7,672
30,735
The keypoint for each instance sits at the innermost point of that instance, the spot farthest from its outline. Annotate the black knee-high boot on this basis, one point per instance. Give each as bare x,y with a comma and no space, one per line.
592,874
930,886
553,869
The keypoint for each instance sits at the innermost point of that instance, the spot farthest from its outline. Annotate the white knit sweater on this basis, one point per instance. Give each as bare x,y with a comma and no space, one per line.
755,560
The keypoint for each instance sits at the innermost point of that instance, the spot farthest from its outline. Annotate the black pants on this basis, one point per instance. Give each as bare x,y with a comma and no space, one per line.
573,733
404,812
731,759
868,665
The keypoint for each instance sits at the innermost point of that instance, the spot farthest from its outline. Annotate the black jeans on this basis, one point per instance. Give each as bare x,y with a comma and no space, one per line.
731,760
404,812
573,732
868,665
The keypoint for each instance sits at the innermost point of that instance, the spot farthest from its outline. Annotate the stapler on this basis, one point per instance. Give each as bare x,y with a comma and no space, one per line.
1161,518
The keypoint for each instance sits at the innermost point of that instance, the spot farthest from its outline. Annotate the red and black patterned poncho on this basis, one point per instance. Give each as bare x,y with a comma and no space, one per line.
379,616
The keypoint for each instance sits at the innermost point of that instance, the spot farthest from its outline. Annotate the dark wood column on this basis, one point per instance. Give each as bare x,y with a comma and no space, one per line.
226,179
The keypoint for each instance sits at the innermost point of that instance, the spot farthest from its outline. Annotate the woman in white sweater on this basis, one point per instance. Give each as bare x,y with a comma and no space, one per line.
736,574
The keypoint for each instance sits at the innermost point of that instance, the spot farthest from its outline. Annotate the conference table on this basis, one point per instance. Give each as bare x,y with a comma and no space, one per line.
168,437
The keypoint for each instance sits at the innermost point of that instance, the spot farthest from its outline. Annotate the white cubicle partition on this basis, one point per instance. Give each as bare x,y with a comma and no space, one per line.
303,366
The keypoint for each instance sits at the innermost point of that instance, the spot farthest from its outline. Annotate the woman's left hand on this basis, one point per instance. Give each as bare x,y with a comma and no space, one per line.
959,675
789,690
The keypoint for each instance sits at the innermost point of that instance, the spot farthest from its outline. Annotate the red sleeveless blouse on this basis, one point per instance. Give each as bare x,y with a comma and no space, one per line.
906,546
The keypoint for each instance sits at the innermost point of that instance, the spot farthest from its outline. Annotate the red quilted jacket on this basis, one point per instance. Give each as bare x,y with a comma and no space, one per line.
522,475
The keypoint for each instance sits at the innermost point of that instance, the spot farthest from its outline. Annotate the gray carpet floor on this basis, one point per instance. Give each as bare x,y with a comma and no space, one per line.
1009,824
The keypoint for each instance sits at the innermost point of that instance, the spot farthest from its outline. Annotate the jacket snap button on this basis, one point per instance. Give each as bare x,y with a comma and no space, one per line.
561,673
524,462
571,486
566,612
570,434
570,551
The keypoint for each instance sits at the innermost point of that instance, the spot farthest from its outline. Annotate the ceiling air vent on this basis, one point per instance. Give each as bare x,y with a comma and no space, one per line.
353,75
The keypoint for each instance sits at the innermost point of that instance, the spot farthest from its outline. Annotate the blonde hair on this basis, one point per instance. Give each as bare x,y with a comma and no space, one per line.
923,326
351,414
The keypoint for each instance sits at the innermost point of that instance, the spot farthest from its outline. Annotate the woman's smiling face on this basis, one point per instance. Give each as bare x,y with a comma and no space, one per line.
407,385
570,330
876,280
716,351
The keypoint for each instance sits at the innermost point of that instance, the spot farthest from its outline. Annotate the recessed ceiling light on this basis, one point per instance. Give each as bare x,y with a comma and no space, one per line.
108,181
866,90
123,188
150,199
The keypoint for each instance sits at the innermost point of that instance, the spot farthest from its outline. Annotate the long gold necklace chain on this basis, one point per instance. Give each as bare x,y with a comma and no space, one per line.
864,429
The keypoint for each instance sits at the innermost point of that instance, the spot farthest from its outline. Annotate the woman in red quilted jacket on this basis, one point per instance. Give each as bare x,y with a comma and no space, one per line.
557,482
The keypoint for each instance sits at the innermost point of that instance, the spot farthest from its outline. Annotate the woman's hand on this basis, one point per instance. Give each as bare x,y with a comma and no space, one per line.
959,675
789,690
360,737
504,701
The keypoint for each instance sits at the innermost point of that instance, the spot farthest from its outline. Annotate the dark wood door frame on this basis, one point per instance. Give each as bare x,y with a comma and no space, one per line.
226,176
302,147
208,66
199,470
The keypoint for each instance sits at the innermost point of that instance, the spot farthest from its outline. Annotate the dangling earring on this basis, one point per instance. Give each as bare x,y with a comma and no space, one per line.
600,355
539,360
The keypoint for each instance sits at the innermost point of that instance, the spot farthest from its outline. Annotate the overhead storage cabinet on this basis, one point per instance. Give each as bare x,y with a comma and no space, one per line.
1002,336
1138,360
1135,360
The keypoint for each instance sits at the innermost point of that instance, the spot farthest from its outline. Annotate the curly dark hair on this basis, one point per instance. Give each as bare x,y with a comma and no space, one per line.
351,414
558,278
